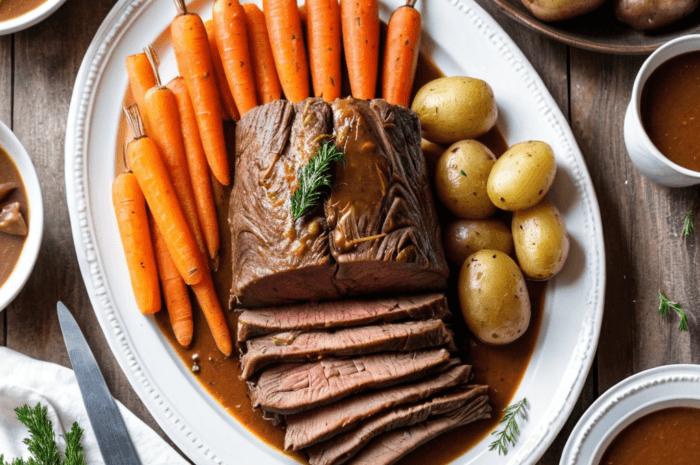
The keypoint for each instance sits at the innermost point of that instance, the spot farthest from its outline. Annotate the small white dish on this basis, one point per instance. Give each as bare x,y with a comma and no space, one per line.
641,150
639,395
30,18
23,269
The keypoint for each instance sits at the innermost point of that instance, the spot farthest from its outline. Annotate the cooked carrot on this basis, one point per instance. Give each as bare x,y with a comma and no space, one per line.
177,299
360,20
287,42
401,54
198,169
324,47
130,207
208,300
162,113
154,180
191,44
267,83
141,76
227,101
232,42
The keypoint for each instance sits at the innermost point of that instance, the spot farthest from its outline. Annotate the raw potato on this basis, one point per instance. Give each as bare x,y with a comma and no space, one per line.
541,242
493,297
646,15
465,237
432,153
522,176
455,108
460,180
559,10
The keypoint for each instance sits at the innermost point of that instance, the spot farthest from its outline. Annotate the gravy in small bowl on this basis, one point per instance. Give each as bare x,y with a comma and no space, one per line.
14,215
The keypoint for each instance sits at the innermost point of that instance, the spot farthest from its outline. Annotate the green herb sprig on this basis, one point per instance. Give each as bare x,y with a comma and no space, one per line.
42,440
688,223
665,306
510,431
313,177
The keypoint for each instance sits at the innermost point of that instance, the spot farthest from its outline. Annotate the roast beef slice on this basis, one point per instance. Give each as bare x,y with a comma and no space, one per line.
307,428
389,447
341,448
339,314
294,387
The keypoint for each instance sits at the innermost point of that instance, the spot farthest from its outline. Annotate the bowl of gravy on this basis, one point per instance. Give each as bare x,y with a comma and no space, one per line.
662,122
21,216
16,15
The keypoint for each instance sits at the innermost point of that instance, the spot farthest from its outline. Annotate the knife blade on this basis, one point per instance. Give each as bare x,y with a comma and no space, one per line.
106,420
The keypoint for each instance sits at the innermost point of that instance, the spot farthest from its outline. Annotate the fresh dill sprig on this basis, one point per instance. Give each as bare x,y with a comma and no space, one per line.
313,177
665,306
42,440
510,431
688,223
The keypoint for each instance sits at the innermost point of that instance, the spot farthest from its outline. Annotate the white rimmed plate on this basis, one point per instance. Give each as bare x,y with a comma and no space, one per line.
32,244
461,39
30,18
646,392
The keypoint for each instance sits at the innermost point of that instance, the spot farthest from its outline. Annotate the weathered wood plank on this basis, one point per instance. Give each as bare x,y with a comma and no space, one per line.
47,58
643,222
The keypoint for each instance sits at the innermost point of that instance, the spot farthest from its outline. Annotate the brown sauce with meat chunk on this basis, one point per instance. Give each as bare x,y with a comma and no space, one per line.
667,436
11,9
500,367
12,192
670,109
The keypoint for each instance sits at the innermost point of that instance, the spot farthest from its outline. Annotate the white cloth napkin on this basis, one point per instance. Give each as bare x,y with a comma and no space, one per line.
24,380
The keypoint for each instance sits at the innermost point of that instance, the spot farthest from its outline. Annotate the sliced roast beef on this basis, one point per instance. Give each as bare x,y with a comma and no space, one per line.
378,231
390,447
299,346
385,233
344,313
295,387
276,259
307,428
343,447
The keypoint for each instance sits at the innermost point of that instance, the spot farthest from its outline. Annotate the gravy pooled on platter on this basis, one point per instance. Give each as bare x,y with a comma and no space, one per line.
670,109
14,216
667,436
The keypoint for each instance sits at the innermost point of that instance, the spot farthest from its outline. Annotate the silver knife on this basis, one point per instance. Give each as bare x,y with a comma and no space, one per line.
106,420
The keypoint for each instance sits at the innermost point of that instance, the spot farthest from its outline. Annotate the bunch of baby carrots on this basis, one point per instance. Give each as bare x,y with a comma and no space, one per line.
241,58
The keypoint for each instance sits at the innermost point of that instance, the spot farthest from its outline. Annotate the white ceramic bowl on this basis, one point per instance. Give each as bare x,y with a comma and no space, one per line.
30,18
641,150
20,274
639,395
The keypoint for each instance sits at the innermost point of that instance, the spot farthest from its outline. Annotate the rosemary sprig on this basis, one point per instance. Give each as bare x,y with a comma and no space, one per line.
42,441
665,306
313,177
510,431
688,223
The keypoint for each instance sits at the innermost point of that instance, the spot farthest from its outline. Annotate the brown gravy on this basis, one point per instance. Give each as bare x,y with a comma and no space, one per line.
11,9
670,109
502,368
10,245
668,436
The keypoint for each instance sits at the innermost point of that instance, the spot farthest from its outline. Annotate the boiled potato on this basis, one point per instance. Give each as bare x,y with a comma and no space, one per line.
460,179
493,297
465,237
541,242
432,153
522,176
455,108
653,14
559,10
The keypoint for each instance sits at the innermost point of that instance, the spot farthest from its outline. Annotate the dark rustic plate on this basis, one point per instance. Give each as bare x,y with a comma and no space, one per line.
600,30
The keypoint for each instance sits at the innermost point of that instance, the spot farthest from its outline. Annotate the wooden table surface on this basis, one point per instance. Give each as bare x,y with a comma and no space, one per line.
642,222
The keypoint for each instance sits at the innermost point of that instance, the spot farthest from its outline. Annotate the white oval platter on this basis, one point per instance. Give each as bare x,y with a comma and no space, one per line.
630,399
462,39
